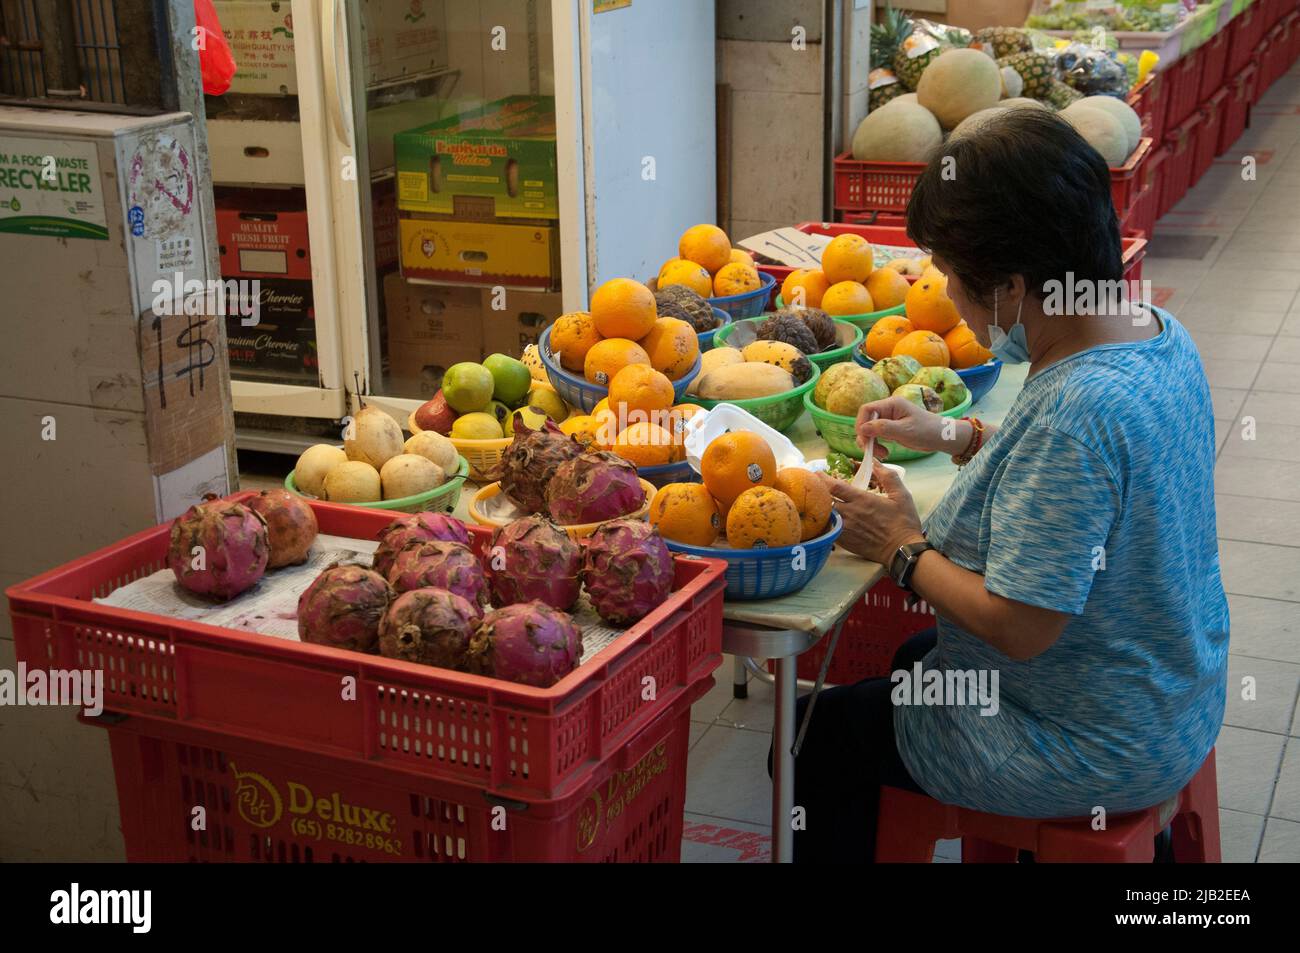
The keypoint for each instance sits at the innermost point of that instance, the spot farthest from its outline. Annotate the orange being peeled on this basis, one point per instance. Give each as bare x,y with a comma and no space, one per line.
805,290
705,245
673,347
608,357
847,258
847,297
810,497
735,462
763,517
639,389
926,346
884,335
964,349
928,306
679,271
646,445
623,308
686,513
887,287
572,336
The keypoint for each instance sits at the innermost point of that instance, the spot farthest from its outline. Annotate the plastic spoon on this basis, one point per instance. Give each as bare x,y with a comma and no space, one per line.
862,479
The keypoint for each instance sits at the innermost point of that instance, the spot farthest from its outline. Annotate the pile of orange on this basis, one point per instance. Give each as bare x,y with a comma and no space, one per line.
743,497
932,332
708,265
638,420
848,282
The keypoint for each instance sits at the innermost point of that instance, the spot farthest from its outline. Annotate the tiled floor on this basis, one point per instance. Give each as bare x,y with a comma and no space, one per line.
1241,303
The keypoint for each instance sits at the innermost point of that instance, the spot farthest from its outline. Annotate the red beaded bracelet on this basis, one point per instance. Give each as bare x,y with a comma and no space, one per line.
976,441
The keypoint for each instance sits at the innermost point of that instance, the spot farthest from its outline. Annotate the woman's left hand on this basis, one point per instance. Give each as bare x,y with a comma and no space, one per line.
875,525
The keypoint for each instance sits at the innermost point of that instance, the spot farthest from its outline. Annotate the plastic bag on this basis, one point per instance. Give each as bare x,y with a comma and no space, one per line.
1091,71
216,62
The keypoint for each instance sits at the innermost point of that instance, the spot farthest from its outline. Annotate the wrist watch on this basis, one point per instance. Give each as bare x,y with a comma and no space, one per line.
904,563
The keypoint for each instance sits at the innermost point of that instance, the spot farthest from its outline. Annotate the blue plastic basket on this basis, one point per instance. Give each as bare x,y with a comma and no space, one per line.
747,304
768,573
978,380
706,337
665,473
581,393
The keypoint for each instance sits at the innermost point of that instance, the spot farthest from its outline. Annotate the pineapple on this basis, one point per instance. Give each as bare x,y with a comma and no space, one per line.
1002,41
1059,95
884,86
1035,69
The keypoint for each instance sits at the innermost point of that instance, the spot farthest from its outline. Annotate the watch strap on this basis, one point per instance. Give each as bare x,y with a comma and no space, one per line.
903,565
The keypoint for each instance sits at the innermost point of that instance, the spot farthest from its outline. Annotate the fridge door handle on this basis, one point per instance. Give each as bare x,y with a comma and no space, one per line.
331,35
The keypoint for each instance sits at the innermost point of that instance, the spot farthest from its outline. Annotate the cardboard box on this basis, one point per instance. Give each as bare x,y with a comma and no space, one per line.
479,253
403,37
255,152
260,34
383,215
263,234
282,345
430,328
522,317
504,151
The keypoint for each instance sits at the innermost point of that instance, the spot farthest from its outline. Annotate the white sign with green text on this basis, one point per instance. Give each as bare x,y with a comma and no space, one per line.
51,187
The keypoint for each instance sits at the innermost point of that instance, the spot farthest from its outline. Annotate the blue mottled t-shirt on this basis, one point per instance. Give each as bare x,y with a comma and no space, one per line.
1105,455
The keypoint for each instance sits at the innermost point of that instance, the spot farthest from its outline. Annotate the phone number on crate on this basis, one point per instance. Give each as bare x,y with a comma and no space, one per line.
304,827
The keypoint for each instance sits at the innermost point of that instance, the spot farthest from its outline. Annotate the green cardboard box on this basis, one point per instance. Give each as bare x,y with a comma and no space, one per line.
504,151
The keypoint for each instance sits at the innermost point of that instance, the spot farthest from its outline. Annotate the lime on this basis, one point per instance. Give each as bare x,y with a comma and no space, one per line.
467,387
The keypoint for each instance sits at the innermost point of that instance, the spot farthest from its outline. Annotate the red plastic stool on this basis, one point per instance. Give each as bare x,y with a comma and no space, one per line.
910,824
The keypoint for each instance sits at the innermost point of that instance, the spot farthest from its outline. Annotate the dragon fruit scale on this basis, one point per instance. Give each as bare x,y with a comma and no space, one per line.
627,569
530,461
594,487
219,548
343,607
440,565
430,627
532,558
530,643
418,527
290,522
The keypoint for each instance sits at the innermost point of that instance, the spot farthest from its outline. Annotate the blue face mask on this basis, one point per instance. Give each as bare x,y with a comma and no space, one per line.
1009,347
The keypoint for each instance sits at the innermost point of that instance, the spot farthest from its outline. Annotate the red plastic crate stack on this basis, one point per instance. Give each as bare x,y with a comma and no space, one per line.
1245,30
1177,173
1141,218
1207,136
880,187
1236,108
1214,61
1294,19
1150,101
1184,78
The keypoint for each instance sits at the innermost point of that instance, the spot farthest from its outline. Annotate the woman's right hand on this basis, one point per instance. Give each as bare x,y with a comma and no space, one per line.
903,422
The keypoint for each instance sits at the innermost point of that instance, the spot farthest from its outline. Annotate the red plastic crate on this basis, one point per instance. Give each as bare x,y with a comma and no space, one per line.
1150,101
889,219
1177,176
1127,180
872,633
1134,248
1293,20
1140,222
874,186
1236,109
268,803
1214,61
1207,137
1184,78
1244,32
501,738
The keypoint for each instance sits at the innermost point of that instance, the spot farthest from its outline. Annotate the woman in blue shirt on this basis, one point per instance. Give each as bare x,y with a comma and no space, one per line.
1073,564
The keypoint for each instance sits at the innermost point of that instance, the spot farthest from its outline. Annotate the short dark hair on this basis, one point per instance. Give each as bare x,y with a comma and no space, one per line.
1024,194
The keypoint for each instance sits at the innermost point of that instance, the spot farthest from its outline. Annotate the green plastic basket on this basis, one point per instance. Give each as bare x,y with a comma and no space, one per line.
840,434
861,321
442,499
823,360
778,411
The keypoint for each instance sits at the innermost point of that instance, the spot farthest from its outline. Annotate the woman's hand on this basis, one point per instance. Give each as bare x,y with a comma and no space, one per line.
905,423
874,525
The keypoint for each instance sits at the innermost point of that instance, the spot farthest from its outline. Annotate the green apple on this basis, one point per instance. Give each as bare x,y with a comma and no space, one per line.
511,379
945,382
467,387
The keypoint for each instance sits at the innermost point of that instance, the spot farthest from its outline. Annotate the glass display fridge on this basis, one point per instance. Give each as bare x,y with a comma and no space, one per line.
414,183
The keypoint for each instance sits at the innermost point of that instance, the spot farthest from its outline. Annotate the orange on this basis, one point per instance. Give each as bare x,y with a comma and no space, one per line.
811,499
735,278
572,336
887,287
623,308
847,297
964,350
926,346
723,510
928,306
761,518
848,258
646,445
742,256
659,280
805,291
604,429
676,419
735,462
673,347
705,245
610,356
788,285
601,405
679,271
583,428
639,387
884,334
685,513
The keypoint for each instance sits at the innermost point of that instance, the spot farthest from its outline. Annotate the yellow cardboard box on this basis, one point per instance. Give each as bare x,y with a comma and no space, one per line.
480,253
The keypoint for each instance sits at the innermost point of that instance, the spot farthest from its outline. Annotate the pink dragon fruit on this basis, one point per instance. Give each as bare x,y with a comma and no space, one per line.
291,524
440,565
219,548
417,527
530,461
343,607
593,487
531,559
627,569
431,627
529,643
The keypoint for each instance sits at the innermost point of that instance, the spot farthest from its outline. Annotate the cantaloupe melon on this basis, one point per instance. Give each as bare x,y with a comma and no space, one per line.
975,120
1102,131
894,133
904,99
1121,110
958,83
1024,102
